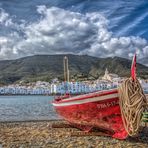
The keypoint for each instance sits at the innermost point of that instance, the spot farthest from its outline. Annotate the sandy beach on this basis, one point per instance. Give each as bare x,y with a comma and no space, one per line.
59,134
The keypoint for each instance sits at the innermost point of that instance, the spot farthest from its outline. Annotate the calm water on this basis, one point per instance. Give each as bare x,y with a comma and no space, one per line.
22,108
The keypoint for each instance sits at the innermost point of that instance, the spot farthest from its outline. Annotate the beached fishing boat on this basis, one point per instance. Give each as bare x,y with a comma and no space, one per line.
95,110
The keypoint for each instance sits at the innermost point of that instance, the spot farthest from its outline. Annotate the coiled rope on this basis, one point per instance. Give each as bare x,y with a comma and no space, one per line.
132,102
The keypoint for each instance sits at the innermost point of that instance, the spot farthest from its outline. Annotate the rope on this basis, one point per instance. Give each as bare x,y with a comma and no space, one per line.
132,102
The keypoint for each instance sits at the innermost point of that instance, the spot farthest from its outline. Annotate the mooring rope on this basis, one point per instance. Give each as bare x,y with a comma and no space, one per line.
132,102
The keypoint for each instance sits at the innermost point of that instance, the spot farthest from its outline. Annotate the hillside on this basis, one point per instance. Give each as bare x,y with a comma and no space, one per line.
47,67
144,61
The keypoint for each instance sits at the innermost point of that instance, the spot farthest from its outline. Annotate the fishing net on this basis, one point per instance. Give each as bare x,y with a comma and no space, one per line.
132,102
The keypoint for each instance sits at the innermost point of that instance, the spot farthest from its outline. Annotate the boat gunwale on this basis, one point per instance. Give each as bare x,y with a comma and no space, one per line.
87,96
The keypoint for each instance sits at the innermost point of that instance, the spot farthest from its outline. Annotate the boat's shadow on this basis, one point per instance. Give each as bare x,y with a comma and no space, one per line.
142,137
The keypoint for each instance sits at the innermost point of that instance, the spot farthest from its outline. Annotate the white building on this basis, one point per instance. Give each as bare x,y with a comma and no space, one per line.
109,76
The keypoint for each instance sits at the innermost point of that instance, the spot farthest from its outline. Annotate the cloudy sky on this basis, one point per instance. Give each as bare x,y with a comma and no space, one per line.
95,27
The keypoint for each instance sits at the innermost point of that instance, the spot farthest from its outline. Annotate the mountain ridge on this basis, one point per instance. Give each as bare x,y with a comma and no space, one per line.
144,61
47,67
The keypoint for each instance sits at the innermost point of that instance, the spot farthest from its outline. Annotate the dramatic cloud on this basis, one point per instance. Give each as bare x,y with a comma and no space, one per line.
63,31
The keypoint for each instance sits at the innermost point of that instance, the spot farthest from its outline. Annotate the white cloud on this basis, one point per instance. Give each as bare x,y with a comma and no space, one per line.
133,23
5,18
63,31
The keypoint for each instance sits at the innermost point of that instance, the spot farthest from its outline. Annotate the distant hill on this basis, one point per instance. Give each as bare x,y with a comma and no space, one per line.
144,61
47,67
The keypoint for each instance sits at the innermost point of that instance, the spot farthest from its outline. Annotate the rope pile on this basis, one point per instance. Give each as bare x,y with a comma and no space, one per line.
132,102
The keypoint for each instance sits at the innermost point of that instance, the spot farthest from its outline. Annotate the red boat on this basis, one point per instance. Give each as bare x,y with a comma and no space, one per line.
99,109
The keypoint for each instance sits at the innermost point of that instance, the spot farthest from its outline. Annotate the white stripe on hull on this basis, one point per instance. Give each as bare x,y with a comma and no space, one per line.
89,100
93,93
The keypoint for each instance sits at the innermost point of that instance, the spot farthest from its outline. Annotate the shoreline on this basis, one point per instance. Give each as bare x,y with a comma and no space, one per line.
19,121
54,95
58,133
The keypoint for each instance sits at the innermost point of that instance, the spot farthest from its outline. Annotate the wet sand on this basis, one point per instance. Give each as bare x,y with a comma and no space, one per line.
59,134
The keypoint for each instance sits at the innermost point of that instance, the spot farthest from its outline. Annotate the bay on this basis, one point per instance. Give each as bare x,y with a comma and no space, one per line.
27,108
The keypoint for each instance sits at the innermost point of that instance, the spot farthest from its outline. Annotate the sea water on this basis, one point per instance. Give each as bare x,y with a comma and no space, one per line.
26,108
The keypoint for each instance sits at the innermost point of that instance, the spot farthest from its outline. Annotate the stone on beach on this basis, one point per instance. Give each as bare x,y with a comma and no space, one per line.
60,134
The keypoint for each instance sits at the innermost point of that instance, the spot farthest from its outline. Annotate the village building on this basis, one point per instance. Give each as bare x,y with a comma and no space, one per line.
109,76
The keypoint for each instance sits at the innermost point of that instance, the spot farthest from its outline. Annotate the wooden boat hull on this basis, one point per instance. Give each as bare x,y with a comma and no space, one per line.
98,109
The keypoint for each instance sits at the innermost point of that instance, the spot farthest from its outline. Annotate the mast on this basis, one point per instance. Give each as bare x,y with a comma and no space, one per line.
66,70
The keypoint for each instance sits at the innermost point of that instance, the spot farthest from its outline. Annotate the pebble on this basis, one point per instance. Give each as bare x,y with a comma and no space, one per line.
39,135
